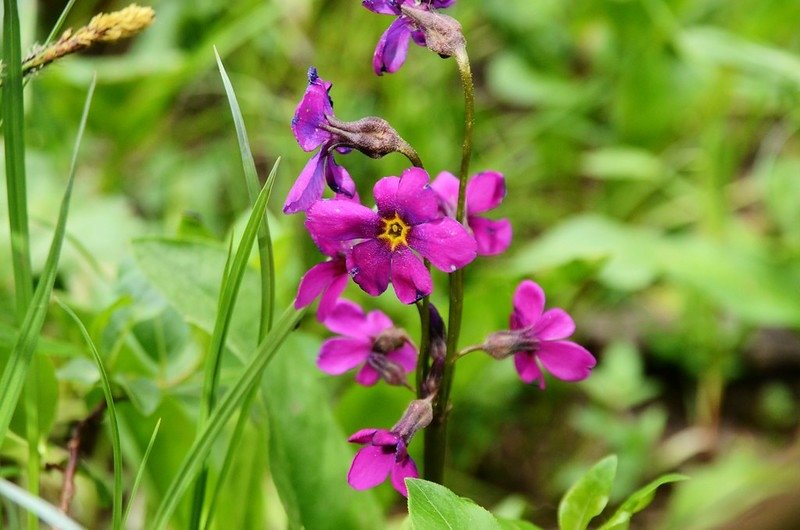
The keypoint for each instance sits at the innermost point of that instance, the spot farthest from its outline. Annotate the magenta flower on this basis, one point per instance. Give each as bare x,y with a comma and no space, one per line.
485,191
384,453
370,341
537,338
408,218
390,53
327,279
311,129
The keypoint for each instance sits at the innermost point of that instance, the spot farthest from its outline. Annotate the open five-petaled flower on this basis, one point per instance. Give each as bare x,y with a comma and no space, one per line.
541,337
367,340
390,53
408,217
311,129
485,191
327,279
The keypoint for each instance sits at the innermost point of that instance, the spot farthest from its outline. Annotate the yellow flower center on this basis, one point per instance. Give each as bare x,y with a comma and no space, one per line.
395,232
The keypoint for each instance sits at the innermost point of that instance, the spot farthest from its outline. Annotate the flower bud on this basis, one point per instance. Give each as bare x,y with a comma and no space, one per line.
442,33
372,136
417,416
502,344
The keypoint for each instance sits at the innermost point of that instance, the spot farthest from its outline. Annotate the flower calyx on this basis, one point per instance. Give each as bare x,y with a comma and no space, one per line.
443,33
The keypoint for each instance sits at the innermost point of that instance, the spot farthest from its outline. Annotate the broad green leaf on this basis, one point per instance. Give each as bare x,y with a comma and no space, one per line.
588,496
515,524
433,507
638,501
309,455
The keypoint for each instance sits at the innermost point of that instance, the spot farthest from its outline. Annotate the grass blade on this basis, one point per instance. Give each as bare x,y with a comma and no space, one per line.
43,510
226,408
116,446
60,22
267,262
15,372
140,474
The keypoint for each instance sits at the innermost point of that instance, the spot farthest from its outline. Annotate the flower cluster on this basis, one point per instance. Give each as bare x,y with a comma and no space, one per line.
413,225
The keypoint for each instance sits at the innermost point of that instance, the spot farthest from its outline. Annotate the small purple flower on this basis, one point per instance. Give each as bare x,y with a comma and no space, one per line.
390,53
328,279
408,217
370,341
310,127
384,453
485,191
538,339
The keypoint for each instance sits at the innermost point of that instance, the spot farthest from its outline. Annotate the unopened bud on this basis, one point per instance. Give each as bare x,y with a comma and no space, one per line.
443,33
438,353
372,136
502,344
417,416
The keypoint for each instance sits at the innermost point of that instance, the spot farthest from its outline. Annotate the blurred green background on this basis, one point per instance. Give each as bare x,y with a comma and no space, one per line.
652,159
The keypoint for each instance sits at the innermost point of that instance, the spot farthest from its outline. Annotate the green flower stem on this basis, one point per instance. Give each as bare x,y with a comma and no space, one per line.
436,433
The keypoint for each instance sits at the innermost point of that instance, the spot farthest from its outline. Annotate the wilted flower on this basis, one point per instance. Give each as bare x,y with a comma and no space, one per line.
385,452
370,341
537,338
390,53
408,217
485,191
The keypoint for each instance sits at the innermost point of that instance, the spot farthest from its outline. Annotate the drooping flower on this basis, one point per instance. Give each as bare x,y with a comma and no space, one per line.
385,452
327,279
485,191
408,217
370,341
309,128
390,53
537,340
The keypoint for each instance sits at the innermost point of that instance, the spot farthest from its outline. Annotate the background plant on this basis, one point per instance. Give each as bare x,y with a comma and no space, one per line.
672,122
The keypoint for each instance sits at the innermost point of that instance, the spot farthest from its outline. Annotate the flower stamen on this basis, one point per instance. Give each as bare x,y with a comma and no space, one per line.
395,232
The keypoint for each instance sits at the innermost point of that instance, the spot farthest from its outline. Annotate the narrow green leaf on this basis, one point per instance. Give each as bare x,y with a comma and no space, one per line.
116,446
266,257
60,22
15,371
638,501
231,283
43,510
433,507
227,406
588,496
140,474
14,143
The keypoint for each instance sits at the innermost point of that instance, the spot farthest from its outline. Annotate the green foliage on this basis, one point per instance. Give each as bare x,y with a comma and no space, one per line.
588,496
436,507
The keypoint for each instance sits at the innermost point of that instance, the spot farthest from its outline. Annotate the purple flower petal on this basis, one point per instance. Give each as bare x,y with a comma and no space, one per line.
446,186
485,191
446,243
493,237
566,360
441,4
376,322
308,187
311,113
341,220
385,438
418,36
331,295
337,177
416,201
340,354
405,356
401,470
528,304
370,467
385,193
383,7
348,319
367,376
410,277
369,265
364,436
315,281
390,53
528,370
554,324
